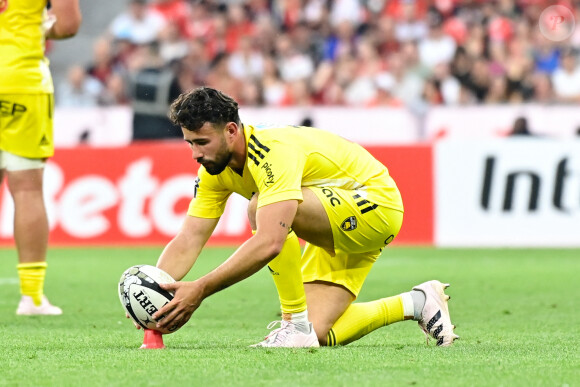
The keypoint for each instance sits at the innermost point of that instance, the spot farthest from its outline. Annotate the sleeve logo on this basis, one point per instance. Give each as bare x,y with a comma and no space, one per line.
196,187
269,180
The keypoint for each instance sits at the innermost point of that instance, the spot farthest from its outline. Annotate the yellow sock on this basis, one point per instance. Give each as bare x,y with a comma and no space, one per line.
363,318
287,275
32,280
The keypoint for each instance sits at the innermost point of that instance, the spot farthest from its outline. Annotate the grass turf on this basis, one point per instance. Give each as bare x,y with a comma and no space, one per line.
516,311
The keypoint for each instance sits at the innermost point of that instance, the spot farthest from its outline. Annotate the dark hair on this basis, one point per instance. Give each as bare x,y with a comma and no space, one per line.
193,109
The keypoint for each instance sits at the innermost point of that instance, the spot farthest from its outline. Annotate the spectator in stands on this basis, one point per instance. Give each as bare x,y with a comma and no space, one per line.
479,79
436,47
545,53
172,46
264,37
246,63
385,36
293,65
308,41
251,94
298,93
79,90
200,24
461,65
138,24
471,52
498,93
542,89
409,27
340,41
103,63
315,13
566,79
238,25
432,92
153,86
220,78
273,88
175,12
194,67
115,92
350,11
384,95
449,86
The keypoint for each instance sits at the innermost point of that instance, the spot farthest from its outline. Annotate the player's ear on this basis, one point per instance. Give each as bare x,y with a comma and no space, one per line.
232,129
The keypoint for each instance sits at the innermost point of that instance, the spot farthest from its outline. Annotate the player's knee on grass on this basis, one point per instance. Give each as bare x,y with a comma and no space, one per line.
252,207
321,330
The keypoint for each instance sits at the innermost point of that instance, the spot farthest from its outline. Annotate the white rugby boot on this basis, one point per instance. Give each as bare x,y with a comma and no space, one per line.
435,320
287,336
26,307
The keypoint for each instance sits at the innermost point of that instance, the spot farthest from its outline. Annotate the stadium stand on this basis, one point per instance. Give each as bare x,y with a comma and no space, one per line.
412,53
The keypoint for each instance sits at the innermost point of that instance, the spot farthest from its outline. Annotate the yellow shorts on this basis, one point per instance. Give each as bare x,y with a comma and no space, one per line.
26,125
360,229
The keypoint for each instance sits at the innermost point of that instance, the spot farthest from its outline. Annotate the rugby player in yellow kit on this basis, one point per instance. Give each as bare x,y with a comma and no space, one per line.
26,109
301,182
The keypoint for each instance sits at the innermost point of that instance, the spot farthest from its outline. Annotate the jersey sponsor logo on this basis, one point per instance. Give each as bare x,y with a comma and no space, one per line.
269,180
330,195
365,205
349,223
8,108
3,5
256,150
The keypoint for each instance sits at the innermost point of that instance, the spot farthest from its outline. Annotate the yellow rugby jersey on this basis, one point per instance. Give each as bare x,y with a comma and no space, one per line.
23,67
282,160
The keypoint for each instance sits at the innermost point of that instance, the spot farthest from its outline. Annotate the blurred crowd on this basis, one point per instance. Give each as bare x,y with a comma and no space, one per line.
413,53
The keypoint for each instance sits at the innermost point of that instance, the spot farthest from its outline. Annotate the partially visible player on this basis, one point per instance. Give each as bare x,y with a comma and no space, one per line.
26,133
301,182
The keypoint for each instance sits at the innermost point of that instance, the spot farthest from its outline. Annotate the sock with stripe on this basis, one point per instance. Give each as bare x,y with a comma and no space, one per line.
362,318
32,280
287,276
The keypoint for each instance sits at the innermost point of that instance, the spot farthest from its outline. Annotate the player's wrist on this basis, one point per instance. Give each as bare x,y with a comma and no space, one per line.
205,287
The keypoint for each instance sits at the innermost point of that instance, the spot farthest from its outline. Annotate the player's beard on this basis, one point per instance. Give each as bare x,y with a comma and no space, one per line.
222,159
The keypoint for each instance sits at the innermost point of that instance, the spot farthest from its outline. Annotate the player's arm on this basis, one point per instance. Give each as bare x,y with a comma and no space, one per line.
67,15
273,223
181,253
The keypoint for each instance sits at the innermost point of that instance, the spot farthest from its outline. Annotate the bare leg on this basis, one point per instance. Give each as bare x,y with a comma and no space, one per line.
326,303
311,222
30,218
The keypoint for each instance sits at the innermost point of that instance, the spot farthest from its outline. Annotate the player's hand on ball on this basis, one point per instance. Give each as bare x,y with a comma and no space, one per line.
134,323
188,297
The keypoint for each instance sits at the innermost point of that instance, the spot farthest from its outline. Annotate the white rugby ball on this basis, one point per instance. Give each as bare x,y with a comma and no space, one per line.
141,295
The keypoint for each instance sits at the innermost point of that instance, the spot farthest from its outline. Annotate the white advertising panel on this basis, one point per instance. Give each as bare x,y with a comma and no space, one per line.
372,126
475,122
99,127
507,192
112,126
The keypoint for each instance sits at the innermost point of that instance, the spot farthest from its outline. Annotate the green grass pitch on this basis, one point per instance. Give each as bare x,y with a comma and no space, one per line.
516,310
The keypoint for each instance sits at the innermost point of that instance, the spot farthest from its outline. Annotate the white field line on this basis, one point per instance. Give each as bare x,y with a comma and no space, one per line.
9,281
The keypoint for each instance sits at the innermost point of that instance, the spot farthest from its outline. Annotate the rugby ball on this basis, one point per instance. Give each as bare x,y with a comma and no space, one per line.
141,295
